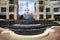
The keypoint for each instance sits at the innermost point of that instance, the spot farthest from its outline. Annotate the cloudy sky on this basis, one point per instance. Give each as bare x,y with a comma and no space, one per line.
22,6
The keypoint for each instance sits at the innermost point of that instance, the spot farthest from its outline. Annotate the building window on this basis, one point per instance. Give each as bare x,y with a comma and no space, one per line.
3,9
11,1
56,9
11,9
48,16
41,8
47,9
40,2
41,16
11,16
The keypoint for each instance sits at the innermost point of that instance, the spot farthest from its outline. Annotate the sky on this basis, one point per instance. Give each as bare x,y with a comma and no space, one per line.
22,6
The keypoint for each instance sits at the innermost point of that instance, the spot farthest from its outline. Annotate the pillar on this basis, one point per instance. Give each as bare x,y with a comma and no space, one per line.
52,13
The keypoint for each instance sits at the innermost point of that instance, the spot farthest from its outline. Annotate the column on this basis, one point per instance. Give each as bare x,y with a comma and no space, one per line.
52,13
15,12
7,13
37,9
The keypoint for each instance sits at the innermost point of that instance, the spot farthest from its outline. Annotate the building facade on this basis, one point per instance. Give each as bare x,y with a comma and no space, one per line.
47,9
8,9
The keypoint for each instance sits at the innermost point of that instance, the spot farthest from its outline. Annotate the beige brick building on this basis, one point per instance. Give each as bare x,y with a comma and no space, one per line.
47,9
8,9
